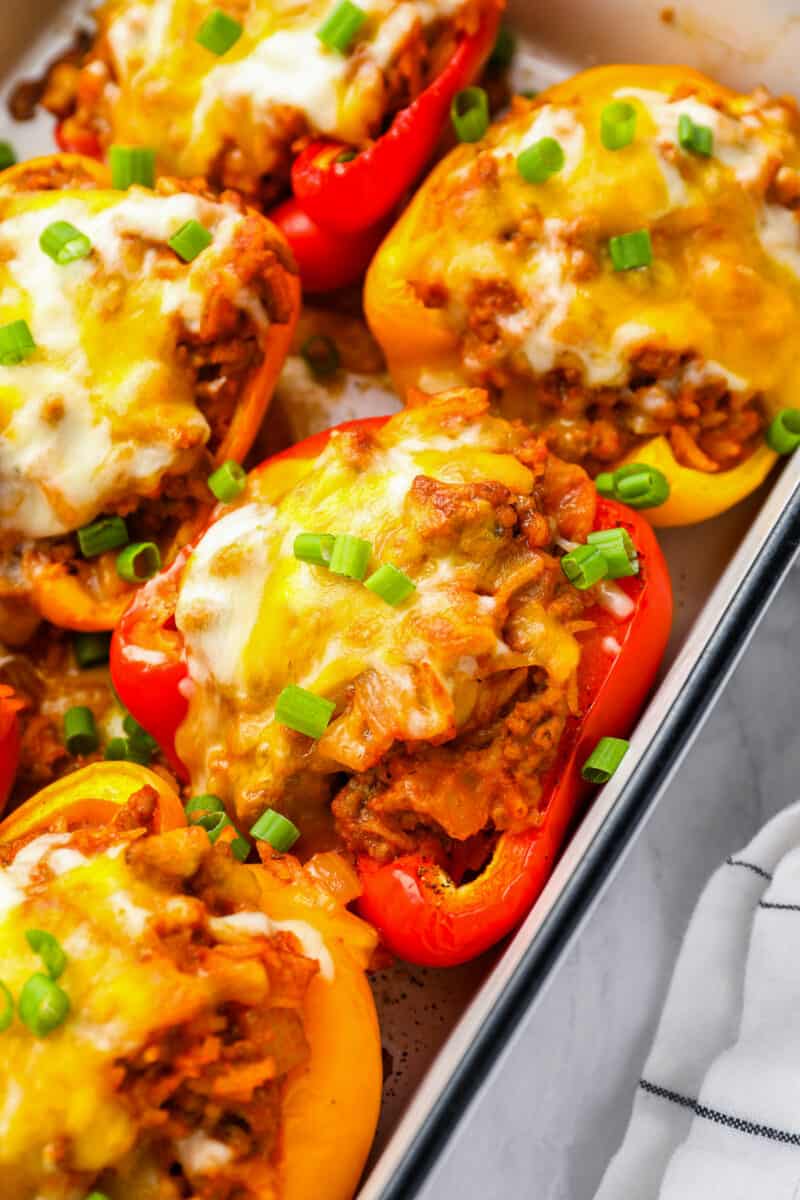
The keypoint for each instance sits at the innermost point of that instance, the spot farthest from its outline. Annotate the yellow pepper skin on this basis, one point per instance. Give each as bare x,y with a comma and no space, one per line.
722,288
696,496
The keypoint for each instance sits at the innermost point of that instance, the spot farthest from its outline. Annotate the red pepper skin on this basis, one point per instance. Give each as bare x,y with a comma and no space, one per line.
10,741
420,913
344,197
326,260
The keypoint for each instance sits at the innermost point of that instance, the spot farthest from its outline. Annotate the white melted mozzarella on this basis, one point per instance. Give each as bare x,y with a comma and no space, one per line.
67,449
779,233
550,121
253,924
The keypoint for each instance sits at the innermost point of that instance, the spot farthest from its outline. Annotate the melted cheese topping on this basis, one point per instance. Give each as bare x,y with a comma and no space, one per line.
62,1090
278,63
725,279
299,623
104,407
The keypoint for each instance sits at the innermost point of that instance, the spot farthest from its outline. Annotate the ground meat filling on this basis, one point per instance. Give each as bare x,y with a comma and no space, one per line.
221,1074
441,799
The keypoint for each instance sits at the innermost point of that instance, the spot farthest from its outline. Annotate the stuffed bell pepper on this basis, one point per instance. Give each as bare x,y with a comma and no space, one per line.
405,637
618,262
340,103
173,1021
141,335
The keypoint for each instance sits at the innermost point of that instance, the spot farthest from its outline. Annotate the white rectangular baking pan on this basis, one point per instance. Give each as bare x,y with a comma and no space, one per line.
442,1031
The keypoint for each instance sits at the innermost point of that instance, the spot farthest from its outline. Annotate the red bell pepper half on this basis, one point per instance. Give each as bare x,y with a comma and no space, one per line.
421,912
345,196
326,260
9,741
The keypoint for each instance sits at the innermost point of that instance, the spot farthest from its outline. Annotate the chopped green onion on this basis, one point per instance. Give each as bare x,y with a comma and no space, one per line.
43,1005
469,113
139,561
503,51
584,566
604,760
538,162
314,548
97,1196
321,355
105,534
698,139
16,343
219,32
618,550
132,164
49,950
303,711
342,26
80,732
141,745
228,481
116,749
7,155
90,649
350,556
276,829
205,803
617,125
6,1008
530,93
391,584
64,243
240,847
783,434
631,250
190,240
636,484
346,156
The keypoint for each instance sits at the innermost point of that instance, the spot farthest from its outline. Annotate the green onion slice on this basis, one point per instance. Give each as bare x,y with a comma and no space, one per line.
90,649
16,343
132,164
342,26
631,250
783,434
303,711
346,156
116,749
391,584
584,566
64,243
139,561
636,484
205,803
350,556
80,731
314,548
617,125
219,32
540,161
228,481
141,745
105,534
604,759
43,1005
697,139
190,240
6,1008
8,155
49,950
503,51
321,355
276,829
469,113
97,1196
618,550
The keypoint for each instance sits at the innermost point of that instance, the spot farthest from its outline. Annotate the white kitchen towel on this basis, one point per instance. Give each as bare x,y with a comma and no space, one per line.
717,1111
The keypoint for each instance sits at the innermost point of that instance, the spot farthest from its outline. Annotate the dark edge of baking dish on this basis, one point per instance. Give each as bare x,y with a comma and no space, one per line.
659,761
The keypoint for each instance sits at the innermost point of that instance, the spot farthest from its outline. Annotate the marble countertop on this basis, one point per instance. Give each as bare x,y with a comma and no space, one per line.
555,1107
